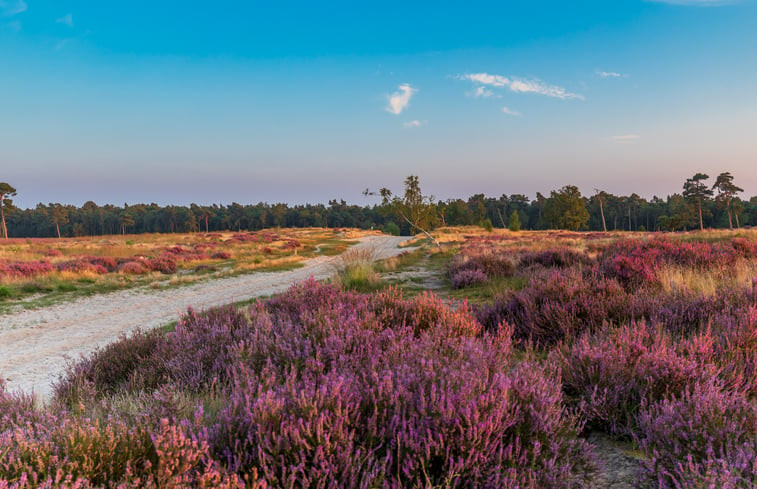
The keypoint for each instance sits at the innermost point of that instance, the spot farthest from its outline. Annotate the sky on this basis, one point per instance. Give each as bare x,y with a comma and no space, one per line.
176,102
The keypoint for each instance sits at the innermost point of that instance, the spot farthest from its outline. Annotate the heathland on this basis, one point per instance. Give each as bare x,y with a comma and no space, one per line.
532,346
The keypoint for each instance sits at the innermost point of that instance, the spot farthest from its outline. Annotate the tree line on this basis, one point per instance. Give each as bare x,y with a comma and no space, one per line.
699,205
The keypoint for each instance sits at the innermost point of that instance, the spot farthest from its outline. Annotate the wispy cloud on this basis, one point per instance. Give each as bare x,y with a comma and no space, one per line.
624,138
410,124
9,8
481,92
698,3
510,111
610,74
67,19
520,85
398,100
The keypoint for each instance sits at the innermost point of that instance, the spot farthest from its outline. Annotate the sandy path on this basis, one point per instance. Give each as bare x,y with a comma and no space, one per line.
35,345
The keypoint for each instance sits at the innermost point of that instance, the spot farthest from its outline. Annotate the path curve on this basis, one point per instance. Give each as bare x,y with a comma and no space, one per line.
35,345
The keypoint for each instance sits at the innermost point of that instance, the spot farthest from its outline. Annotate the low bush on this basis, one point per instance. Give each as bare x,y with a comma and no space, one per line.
703,437
609,375
554,258
466,278
557,305
162,264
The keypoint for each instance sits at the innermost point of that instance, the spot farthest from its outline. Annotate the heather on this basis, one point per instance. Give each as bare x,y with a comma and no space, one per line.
315,388
670,367
323,386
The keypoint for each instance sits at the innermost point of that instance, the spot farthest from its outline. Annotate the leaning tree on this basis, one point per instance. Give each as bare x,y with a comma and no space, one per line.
414,208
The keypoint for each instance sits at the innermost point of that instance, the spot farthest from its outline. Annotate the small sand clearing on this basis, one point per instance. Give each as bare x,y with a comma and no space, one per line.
35,345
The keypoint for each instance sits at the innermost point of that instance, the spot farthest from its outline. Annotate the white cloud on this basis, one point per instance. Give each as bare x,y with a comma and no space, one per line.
398,100
625,138
519,85
487,79
67,19
510,111
12,7
415,123
610,74
697,3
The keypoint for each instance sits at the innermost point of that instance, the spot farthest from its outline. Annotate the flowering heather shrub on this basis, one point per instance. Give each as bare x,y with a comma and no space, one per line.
554,258
324,388
492,264
267,250
634,262
748,249
704,437
244,238
609,375
181,255
302,300
221,255
133,268
466,278
53,252
177,250
730,342
200,247
557,305
111,368
685,312
292,244
418,406
198,353
66,451
25,269
80,265
424,312
15,409
108,263
162,264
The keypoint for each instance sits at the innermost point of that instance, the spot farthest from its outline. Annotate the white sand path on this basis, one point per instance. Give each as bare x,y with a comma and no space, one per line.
35,345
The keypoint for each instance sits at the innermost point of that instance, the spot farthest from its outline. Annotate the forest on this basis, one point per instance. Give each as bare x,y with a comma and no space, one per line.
697,206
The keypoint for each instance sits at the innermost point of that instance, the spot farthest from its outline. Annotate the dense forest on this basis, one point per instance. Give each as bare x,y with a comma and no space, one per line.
698,205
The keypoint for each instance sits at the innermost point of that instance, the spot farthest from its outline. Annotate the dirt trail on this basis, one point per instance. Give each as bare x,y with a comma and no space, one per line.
36,344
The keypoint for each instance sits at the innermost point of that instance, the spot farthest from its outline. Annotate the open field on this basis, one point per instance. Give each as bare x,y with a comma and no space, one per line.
581,360
39,272
37,343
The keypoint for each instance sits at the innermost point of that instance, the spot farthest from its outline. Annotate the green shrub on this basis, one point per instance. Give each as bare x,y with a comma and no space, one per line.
392,228
514,222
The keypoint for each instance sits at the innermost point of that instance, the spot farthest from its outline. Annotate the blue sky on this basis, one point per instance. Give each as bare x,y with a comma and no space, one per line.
178,102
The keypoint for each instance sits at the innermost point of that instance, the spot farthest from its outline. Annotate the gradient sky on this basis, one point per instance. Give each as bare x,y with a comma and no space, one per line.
214,102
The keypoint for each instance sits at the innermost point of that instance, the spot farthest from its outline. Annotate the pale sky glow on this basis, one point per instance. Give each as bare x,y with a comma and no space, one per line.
303,103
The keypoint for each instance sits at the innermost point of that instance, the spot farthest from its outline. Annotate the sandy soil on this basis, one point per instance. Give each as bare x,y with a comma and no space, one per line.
35,345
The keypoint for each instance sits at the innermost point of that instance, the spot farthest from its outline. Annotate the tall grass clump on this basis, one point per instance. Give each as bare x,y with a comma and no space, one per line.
355,270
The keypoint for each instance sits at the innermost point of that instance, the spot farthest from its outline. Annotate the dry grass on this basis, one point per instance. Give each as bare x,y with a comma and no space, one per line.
707,282
355,270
